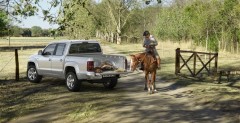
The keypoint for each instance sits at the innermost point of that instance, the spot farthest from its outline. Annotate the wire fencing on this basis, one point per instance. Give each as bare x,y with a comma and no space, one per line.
8,66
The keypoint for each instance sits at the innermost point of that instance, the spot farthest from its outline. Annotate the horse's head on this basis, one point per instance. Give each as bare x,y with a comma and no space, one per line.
134,62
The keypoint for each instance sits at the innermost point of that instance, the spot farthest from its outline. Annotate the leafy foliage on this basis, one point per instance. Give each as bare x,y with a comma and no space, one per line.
211,23
3,23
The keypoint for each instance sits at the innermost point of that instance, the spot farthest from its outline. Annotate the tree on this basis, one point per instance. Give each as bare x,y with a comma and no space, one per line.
46,33
230,18
36,31
16,31
76,20
3,23
27,32
28,8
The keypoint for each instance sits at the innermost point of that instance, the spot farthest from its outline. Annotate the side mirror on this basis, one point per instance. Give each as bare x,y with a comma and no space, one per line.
40,52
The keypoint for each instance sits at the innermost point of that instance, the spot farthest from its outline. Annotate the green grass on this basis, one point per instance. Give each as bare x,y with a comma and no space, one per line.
21,98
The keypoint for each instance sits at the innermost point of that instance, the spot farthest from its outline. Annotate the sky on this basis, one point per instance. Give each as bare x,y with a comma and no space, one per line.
37,20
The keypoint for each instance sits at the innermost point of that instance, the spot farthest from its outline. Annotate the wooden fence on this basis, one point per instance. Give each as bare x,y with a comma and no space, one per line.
195,55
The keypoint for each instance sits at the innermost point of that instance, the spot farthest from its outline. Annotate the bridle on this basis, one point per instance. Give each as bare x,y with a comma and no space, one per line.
141,60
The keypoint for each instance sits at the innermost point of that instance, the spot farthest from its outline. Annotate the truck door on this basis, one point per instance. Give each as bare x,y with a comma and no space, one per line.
44,60
58,60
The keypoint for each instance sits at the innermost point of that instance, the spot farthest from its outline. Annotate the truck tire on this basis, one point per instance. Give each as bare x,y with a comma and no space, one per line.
72,82
111,83
32,74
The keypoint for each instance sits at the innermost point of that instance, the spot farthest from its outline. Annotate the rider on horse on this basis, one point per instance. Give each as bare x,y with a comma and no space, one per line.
149,43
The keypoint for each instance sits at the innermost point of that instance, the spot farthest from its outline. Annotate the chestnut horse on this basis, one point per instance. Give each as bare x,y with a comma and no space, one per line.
150,67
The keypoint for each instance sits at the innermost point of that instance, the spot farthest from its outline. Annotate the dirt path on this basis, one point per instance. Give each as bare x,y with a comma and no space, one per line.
134,105
164,106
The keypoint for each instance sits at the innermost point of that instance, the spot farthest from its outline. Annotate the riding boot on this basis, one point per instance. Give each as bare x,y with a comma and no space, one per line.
158,63
142,66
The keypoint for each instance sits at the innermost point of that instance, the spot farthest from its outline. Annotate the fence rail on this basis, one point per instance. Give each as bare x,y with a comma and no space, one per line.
13,63
10,48
195,56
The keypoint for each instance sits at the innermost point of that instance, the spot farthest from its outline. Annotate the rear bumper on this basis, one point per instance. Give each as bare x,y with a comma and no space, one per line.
98,76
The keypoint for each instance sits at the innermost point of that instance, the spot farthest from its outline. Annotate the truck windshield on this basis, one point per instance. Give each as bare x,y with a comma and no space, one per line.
84,48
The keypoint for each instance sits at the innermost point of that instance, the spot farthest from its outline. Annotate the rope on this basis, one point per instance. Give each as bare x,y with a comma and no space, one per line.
7,64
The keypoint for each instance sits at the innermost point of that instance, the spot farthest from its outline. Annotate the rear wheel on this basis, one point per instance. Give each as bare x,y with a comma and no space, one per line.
110,83
32,74
72,82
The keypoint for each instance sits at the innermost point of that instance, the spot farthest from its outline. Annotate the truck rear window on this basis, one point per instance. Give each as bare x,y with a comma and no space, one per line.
84,48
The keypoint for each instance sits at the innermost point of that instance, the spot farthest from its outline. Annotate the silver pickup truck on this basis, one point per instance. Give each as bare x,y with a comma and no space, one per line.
76,61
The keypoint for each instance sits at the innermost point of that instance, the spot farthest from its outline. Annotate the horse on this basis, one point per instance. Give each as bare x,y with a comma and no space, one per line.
150,67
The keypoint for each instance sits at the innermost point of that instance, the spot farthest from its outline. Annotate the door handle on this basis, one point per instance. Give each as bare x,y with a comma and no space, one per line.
50,60
61,60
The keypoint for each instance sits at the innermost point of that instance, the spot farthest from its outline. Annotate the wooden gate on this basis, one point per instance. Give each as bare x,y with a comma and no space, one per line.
195,56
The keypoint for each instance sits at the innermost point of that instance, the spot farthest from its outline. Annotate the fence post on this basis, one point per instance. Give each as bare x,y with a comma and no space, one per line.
216,63
177,63
210,62
194,63
17,65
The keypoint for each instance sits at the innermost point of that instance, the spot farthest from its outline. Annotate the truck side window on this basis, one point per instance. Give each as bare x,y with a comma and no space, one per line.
60,49
49,50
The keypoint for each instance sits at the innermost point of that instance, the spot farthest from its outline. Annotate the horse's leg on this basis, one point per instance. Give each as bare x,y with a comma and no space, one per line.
154,79
149,86
146,80
152,82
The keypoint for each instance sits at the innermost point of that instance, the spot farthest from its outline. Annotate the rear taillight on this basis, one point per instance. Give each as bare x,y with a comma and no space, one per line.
90,66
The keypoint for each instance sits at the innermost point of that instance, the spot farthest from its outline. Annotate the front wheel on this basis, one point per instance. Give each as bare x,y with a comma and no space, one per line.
32,74
72,82
111,83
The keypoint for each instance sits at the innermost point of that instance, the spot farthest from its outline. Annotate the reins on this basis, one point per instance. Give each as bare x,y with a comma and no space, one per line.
143,58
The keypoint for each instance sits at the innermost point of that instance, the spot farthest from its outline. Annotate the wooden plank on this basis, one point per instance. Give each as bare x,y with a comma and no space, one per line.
177,62
185,62
185,51
208,70
186,65
196,56
216,63
205,65
17,65
194,63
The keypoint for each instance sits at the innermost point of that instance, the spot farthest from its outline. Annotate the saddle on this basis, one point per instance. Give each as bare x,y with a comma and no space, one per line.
151,52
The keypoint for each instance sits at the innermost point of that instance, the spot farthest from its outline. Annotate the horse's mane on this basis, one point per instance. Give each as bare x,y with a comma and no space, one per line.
146,58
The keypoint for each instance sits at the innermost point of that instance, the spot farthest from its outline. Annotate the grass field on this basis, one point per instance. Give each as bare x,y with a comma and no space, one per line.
206,92
27,41
7,59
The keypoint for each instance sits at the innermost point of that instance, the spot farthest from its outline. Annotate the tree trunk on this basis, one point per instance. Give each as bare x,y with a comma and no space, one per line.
119,28
112,37
118,38
207,42
235,40
97,34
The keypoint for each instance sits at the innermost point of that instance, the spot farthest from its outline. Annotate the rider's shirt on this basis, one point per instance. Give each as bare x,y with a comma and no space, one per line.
150,42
